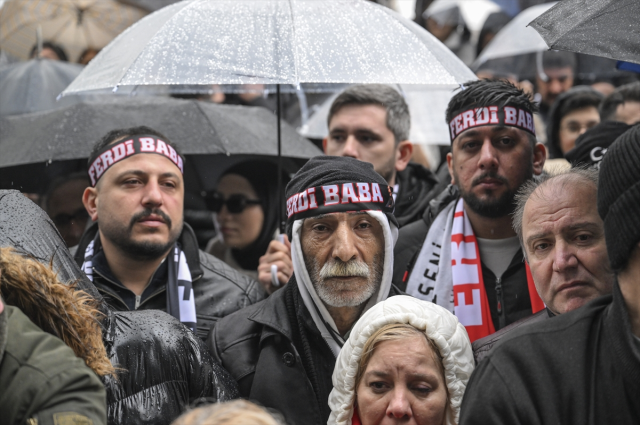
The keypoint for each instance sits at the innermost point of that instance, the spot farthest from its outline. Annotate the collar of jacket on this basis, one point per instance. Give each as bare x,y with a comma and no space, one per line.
273,313
187,239
4,329
437,204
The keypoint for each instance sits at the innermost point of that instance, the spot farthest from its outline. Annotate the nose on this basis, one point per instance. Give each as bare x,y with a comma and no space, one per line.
555,86
350,147
344,247
564,258
488,155
399,406
152,197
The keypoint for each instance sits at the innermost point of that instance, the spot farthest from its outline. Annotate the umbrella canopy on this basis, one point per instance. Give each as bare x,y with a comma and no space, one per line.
515,38
74,24
472,12
427,110
273,42
608,28
196,127
34,85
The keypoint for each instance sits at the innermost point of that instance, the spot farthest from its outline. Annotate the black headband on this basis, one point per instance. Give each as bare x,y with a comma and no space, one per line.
345,197
507,115
112,154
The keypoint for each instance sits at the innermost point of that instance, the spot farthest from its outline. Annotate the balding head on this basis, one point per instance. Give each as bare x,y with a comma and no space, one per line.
562,236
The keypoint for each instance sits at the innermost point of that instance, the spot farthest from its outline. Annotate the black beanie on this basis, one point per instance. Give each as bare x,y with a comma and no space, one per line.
593,143
619,196
330,170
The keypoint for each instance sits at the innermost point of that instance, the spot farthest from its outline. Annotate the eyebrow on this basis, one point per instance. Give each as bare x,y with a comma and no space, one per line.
321,216
573,227
421,376
142,173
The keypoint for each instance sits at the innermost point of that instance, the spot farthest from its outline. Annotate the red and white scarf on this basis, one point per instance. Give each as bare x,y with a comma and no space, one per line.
460,288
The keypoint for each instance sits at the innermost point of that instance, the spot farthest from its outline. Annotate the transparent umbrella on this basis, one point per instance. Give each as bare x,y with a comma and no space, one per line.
279,42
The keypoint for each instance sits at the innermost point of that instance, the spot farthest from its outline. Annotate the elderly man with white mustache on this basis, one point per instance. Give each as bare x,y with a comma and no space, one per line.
282,351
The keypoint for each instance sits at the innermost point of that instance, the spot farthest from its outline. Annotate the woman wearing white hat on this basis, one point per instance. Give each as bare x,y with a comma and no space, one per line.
406,361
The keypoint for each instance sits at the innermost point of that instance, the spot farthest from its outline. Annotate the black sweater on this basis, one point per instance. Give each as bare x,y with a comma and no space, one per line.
580,368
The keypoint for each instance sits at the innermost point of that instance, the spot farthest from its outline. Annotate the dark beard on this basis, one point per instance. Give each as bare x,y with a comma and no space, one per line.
495,208
140,251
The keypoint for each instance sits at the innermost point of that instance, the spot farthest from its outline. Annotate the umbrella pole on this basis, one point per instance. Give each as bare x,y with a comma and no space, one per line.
281,222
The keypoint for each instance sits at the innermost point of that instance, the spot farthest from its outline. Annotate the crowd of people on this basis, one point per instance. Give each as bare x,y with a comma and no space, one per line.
499,287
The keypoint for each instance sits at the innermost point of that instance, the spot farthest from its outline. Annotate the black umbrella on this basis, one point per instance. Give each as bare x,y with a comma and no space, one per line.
607,28
207,133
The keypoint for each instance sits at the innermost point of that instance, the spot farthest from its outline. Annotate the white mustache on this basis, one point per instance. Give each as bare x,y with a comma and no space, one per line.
341,269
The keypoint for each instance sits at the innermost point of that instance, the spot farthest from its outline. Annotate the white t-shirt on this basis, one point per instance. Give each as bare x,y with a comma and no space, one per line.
497,254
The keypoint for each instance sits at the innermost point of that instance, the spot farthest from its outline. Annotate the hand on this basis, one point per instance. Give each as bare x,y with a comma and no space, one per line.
278,254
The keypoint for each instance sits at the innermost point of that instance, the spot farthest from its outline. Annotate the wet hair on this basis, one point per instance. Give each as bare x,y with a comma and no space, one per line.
116,135
398,117
237,412
398,332
580,100
626,93
574,176
58,50
487,92
555,59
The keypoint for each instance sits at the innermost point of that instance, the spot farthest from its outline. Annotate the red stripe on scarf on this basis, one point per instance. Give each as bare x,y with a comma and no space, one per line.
536,302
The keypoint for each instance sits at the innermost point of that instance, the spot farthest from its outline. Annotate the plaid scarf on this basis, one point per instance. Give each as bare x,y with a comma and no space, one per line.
180,296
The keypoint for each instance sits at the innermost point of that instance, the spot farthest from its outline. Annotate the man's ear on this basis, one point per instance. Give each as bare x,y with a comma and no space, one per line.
324,145
404,150
90,201
450,167
539,157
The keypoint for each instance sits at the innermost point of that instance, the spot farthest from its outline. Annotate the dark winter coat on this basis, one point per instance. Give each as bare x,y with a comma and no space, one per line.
582,367
263,350
41,379
163,367
508,297
219,289
482,347
418,186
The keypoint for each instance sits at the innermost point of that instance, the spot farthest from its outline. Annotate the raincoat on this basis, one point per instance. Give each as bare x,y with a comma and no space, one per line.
437,323
162,366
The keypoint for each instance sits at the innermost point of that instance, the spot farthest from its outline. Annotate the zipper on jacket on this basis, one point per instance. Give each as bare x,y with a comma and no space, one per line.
500,302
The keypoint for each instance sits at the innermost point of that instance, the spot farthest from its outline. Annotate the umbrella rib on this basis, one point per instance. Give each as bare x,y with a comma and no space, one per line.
295,45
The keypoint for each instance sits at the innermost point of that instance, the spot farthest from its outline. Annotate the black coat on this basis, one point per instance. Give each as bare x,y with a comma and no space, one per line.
219,289
582,367
163,368
418,186
261,348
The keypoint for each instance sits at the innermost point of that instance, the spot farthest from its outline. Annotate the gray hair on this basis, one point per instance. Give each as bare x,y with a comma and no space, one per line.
576,175
398,117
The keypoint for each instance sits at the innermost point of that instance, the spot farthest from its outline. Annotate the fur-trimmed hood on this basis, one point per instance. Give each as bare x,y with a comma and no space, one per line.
438,324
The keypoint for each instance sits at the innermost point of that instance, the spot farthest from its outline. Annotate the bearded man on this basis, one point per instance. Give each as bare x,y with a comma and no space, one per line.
139,253
282,351
464,254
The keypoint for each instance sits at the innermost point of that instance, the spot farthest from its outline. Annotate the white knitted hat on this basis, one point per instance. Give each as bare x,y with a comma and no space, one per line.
437,323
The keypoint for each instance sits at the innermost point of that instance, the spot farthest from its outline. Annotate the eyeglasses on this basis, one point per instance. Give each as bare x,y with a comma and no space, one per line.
574,127
235,203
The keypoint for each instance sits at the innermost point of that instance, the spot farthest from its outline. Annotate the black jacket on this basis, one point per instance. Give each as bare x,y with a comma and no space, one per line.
508,297
582,367
163,366
418,186
482,347
283,364
219,289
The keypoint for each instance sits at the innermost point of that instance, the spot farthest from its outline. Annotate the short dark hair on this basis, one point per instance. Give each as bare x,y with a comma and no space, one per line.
555,59
626,93
398,117
119,134
59,51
